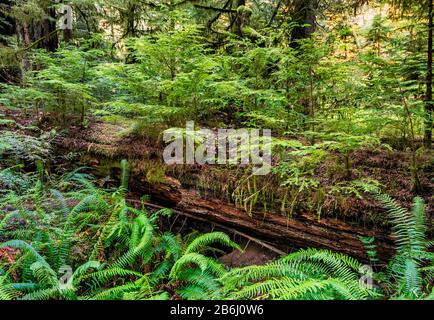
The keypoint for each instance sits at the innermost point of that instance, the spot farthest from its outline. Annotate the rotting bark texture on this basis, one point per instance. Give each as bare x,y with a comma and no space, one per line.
301,231
429,106
304,16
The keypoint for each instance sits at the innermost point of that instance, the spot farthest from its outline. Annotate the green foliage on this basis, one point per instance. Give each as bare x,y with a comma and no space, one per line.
22,147
125,240
409,228
307,274
329,97
200,282
126,257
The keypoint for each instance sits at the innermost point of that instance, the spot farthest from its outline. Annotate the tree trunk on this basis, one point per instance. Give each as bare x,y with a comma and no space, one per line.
429,90
67,35
40,33
10,71
7,24
242,17
305,17
67,31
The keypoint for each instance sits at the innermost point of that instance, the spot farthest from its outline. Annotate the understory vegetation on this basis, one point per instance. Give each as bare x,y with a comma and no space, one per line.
345,86
105,248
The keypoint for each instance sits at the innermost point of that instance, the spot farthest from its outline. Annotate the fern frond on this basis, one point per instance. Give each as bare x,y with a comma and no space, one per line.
124,175
205,240
203,262
101,277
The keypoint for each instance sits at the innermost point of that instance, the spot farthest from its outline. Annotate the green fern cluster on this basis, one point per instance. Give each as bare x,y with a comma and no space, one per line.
113,250
303,275
409,273
72,240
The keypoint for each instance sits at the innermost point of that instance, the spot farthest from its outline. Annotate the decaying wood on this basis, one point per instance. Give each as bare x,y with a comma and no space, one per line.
301,231
231,230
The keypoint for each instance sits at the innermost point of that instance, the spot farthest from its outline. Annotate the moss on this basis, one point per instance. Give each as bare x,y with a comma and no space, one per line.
251,32
244,10
7,122
156,175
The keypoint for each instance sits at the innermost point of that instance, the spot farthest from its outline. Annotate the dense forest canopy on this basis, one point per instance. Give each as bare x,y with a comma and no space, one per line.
90,89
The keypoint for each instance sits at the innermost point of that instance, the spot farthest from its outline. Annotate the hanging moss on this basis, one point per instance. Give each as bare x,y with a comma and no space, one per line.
244,10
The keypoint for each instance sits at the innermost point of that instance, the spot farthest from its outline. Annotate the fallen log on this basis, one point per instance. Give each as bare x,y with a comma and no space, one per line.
301,231
231,230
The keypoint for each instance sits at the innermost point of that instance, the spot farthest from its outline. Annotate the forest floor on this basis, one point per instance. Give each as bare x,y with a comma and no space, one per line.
190,189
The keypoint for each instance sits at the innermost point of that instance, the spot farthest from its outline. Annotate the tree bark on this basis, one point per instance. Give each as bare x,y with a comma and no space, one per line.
305,17
42,32
67,32
9,67
242,17
302,231
67,35
429,89
7,24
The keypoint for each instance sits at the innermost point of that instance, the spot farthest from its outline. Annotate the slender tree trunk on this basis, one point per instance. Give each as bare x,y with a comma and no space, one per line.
67,32
26,34
42,32
48,26
305,16
242,17
239,23
131,20
7,24
9,66
67,35
429,89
